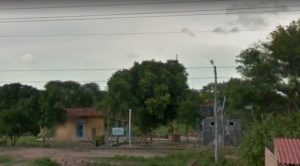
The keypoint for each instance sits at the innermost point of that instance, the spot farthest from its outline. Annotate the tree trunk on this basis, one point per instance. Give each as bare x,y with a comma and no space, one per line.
143,138
43,141
186,133
107,135
13,140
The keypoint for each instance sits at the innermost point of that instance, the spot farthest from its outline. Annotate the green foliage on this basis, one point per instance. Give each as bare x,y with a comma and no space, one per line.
189,110
152,89
24,109
72,94
262,133
51,110
11,124
100,140
44,162
27,141
5,159
176,159
19,110
273,68
207,92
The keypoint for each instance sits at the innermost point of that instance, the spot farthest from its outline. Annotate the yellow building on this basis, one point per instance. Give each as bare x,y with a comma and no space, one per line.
82,124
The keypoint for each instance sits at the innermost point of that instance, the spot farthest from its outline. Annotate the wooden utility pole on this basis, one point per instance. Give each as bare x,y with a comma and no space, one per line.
129,128
222,122
216,119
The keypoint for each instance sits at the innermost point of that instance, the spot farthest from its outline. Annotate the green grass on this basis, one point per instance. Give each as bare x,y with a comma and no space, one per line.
164,130
5,159
27,141
43,162
177,159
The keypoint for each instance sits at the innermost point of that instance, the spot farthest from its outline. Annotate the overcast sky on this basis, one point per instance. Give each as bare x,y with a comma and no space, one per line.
196,39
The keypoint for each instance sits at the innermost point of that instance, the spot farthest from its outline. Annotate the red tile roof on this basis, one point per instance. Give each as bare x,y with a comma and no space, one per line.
83,112
288,150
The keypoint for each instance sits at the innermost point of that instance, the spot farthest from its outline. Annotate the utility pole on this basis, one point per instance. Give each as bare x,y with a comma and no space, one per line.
129,128
216,119
222,121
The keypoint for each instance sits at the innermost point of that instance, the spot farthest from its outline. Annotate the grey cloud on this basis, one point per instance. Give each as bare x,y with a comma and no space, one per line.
187,31
132,55
224,31
27,58
235,29
220,30
255,20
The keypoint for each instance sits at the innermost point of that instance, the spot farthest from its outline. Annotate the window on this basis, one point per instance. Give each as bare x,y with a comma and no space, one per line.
231,123
80,129
212,123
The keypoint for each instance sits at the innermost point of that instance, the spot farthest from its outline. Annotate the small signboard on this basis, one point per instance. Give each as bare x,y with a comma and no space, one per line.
118,131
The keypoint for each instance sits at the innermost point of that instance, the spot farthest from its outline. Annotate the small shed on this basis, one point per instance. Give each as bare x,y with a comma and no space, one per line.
231,129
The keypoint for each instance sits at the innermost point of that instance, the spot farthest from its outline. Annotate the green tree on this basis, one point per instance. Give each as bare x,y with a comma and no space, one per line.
52,112
19,110
261,134
189,110
272,67
152,89
12,124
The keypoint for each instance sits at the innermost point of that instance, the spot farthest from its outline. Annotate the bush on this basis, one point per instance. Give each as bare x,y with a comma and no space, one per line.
3,140
260,134
44,162
27,141
177,159
100,140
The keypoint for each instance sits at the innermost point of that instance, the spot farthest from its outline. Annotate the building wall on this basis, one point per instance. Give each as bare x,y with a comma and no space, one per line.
270,159
98,124
67,131
232,134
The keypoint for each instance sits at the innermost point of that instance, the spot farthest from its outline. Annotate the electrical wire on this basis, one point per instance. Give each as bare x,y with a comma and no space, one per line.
148,16
148,13
97,69
116,4
117,34
88,81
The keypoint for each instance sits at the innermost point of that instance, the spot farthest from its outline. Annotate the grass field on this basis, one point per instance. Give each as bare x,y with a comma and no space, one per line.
184,158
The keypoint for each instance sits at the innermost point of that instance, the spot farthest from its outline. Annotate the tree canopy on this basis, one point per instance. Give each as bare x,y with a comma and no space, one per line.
273,67
152,89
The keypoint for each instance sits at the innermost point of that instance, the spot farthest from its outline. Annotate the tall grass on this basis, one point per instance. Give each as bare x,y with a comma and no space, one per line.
43,162
184,158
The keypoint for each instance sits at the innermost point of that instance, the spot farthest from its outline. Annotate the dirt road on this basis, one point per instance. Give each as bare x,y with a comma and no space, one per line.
74,157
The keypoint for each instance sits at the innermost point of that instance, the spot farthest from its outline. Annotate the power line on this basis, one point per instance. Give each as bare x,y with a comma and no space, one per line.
200,78
150,16
45,81
96,69
118,34
58,70
148,13
87,81
116,4
208,67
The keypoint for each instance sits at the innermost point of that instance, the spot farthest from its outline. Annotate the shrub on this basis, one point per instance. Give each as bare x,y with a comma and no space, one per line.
44,162
27,141
260,134
3,140
177,159
100,140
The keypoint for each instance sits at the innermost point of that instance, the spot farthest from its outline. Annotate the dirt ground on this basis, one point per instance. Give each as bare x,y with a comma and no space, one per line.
74,157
